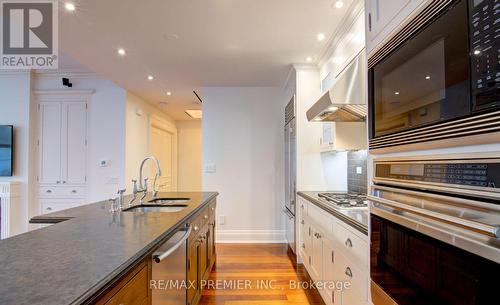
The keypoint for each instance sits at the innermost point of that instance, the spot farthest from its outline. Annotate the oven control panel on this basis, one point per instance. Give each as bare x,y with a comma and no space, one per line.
469,174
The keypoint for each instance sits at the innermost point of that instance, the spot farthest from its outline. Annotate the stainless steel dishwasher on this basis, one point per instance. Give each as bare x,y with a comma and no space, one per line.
168,280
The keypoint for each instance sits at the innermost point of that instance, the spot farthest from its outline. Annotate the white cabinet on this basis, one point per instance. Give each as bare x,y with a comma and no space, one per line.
53,205
335,255
62,150
316,254
62,142
342,136
49,142
382,17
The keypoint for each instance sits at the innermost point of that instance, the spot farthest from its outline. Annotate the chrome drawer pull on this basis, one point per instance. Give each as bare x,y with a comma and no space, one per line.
348,243
73,191
48,191
49,209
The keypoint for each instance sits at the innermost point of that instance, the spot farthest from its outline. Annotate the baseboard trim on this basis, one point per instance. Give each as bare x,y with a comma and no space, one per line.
251,236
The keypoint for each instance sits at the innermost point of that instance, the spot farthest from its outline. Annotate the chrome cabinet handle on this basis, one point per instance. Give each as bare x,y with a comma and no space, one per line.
348,243
317,235
159,257
48,191
64,182
348,272
205,217
49,209
73,191
58,182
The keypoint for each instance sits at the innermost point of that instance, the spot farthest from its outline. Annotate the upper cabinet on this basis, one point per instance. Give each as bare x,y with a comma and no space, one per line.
382,17
62,142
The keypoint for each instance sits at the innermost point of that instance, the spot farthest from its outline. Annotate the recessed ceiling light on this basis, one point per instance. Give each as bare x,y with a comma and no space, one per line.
396,93
169,93
195,113
321,37
428,77
309,59
150,77
339,4
121,52
70,7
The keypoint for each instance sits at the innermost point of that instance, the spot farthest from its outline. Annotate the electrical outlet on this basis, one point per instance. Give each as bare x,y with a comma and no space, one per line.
222,220
359,170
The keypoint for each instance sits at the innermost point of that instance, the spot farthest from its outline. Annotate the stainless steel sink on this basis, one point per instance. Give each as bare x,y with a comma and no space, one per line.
157,208
169,201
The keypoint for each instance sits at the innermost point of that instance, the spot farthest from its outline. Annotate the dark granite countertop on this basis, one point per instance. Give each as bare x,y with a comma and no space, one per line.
356,218
71,261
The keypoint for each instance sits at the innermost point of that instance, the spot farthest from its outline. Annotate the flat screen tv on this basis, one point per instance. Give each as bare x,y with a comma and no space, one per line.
6,150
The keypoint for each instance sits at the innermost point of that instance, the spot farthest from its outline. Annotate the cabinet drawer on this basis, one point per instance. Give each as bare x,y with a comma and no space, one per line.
62,191
54,205
320,218
204,216
351,244
349,272
211,209
134,292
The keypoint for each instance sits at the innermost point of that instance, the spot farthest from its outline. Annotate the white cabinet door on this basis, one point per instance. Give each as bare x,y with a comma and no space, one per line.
49,142
330,278
316,255
74,139
383,16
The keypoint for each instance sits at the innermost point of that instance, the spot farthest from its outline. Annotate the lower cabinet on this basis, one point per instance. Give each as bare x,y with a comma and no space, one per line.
335,255
133,288
201,252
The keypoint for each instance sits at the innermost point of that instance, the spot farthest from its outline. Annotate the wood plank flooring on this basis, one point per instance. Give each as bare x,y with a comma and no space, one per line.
255,266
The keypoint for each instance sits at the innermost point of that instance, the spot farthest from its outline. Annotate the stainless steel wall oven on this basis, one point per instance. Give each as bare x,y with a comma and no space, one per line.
439,77
435,228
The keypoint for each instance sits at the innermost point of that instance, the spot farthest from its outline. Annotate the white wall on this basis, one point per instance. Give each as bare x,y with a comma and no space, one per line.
15,110
243,137
316,171
190,155
106,130
138,121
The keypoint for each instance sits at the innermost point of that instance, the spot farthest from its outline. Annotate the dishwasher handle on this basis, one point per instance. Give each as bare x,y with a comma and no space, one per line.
159,257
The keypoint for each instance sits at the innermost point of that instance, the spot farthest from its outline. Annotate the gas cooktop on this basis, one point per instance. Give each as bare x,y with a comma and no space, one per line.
345,200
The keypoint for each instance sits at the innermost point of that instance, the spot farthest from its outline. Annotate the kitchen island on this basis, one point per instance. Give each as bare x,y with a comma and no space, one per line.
89,250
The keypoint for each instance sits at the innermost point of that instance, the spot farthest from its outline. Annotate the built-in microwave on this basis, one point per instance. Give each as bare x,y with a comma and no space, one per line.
438,77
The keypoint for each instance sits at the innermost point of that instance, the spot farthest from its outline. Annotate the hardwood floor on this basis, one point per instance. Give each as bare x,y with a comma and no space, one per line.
255,266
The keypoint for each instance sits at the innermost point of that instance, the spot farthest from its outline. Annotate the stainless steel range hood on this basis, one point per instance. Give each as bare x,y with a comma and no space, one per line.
346,100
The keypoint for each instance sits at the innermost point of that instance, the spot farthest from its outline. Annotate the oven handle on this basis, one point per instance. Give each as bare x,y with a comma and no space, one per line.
493,231
159,257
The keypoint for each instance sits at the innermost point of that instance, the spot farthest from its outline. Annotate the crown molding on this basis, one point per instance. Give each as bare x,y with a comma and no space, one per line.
68,73
305,67
63,92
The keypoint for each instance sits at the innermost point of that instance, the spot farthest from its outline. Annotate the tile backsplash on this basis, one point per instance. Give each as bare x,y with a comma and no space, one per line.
356,172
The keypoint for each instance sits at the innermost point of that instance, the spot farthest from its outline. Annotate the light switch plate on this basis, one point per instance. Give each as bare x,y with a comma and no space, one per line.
210,168
359,170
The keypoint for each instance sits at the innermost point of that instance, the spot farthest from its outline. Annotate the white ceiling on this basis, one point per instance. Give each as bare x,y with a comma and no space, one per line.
187,44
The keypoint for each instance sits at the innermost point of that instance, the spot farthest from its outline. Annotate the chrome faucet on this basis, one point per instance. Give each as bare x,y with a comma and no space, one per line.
143,184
